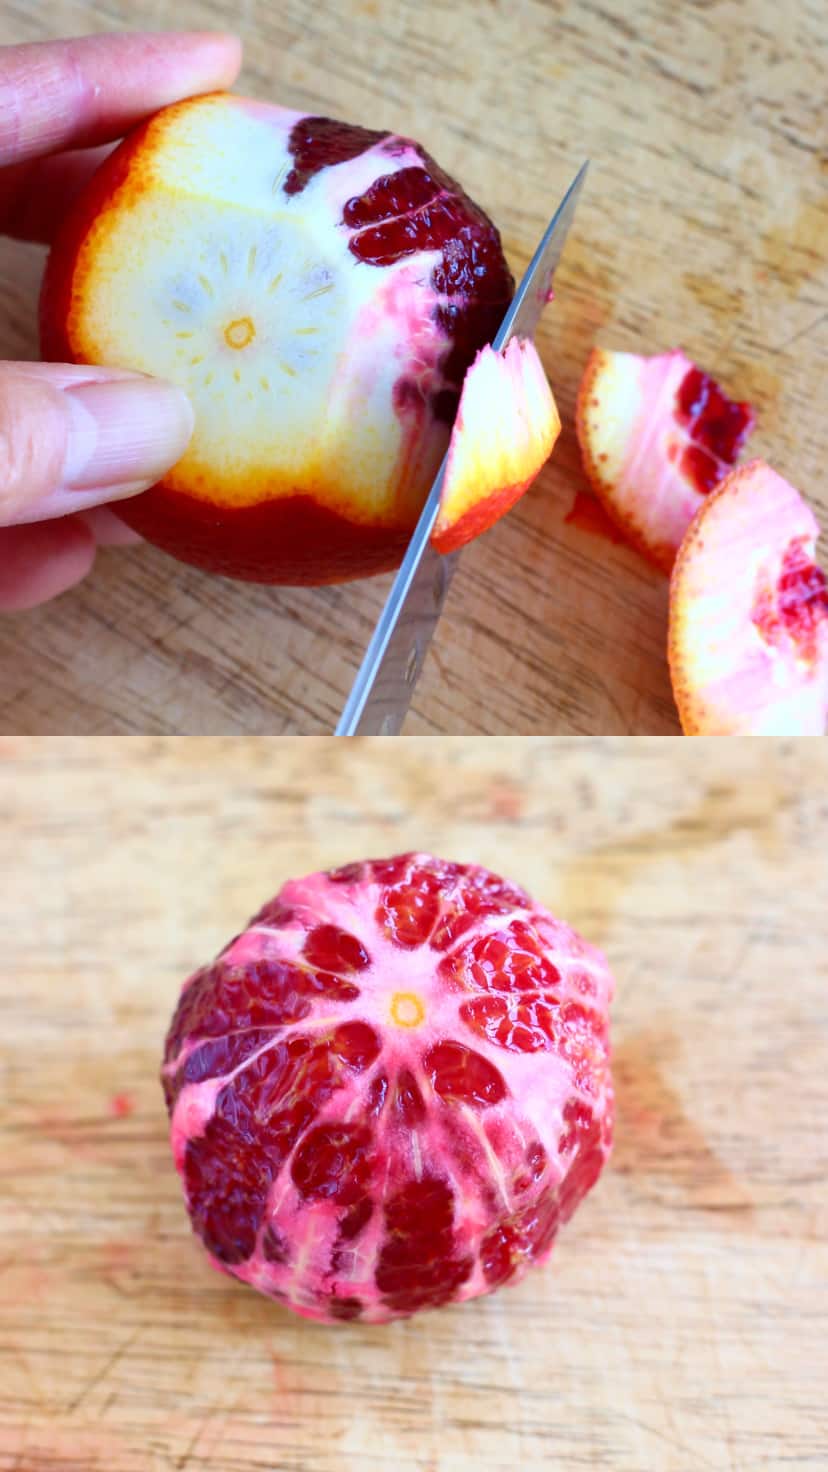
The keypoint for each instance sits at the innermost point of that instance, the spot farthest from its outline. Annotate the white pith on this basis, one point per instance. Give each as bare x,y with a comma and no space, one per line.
630,435
208,239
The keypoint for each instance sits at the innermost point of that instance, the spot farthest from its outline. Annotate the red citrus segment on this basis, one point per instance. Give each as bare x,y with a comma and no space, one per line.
196,1002
264,994
321,143
455,921
425,228
580,1125
219,1056
418,207
335,950
536,1163
219,999
408,912
510,961
421,208
521,1025
538,1224
440,905
356,1044
418,1265
462,1076
496,1255
334,1160
353,1147
527,1235
227,1186
391,871
390,197
715,423
519,987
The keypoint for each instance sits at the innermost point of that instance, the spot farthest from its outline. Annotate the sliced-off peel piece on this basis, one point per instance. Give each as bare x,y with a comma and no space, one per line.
748,643
657,435
504,433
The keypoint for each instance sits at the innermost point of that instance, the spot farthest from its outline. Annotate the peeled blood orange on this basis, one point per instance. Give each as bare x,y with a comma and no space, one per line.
319,290
391,1089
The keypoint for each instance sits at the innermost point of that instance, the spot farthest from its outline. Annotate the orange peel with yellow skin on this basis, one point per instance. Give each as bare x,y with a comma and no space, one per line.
504,433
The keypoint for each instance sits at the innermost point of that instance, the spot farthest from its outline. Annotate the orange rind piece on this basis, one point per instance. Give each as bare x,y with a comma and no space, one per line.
504,433
748,636
656,435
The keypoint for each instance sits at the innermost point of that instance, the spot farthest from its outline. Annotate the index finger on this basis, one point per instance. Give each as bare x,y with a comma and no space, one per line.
63,94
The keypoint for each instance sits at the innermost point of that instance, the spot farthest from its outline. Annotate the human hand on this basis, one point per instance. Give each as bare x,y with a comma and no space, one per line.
72,437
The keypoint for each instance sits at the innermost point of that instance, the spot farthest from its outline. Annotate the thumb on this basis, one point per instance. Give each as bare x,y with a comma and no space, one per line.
72,437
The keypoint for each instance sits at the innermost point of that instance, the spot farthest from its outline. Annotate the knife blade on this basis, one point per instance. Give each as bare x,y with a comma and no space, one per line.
381,693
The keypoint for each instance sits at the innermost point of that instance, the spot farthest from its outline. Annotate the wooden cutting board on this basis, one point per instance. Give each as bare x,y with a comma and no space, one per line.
704,224
683,1320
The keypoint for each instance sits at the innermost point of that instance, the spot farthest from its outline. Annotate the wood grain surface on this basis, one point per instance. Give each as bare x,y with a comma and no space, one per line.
704,224
682,1322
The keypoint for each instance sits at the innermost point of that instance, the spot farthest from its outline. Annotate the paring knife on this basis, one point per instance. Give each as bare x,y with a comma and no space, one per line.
381,693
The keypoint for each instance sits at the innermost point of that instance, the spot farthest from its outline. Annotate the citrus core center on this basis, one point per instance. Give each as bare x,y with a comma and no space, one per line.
406,1009
239,333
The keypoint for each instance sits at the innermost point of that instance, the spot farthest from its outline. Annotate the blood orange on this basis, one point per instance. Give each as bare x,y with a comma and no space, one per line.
391,1089
319,290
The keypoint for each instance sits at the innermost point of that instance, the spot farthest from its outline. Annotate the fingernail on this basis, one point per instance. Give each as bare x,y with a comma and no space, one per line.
124,435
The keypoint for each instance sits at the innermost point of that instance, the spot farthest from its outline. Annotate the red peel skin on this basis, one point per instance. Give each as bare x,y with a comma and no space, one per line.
482,516
313,525
391,1089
